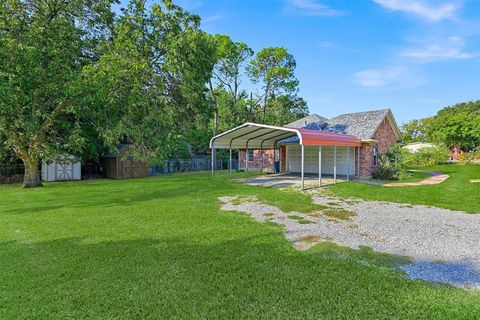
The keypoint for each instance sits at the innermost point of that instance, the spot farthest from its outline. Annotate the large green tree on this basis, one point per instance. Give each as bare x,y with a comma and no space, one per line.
225,93
151,79
457,126
273,68
73,77
227,79
44,47
285,109
416,130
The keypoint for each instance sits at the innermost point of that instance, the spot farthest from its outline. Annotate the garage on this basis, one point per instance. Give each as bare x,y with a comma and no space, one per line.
345,159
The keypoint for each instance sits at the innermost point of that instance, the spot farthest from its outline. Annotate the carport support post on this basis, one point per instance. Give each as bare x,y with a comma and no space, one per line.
213,160
358,161
230,162
261,152
348,163
335,164
320,166
303,166
246,159
274,159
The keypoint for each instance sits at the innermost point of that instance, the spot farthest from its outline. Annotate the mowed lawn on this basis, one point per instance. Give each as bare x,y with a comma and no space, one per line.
456,193
161,248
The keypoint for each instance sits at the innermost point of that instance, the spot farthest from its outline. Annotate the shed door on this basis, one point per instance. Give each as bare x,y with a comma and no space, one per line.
132,168
63,171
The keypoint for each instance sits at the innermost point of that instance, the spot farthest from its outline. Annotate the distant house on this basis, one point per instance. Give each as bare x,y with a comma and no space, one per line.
416,146
348,144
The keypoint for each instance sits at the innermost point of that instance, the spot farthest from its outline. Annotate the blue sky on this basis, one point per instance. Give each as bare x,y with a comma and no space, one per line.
413,56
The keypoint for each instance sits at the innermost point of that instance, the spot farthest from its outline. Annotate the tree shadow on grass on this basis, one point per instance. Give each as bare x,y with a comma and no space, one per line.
102,194
106,193
249,277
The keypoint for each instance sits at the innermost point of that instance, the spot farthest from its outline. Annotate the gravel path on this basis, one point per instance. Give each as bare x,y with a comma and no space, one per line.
444,244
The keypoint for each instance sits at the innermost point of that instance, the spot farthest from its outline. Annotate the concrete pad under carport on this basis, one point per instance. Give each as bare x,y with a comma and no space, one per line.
285,180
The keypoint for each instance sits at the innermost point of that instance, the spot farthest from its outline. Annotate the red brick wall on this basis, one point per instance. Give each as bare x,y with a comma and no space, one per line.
283,156
256,164
366,159
386,138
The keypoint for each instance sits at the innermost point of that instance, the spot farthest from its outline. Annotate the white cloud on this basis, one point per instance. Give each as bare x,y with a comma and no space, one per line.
394,76
446,11
215,17
326,44
450,49
311,8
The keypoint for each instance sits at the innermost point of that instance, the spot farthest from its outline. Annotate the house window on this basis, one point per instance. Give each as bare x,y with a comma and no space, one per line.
375,156
250,154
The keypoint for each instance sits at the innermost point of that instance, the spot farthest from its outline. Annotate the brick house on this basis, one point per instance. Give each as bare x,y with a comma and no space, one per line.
377,131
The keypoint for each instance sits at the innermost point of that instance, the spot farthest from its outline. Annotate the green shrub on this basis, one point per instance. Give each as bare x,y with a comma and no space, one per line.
403,175
386,169
424,157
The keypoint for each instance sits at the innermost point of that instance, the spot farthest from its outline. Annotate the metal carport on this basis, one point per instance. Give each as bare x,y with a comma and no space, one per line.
261,136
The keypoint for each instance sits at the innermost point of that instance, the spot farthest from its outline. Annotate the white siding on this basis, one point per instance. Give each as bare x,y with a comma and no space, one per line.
311,159
56,171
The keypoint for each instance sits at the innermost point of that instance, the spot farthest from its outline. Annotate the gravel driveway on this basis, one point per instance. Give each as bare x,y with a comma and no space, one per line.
444,244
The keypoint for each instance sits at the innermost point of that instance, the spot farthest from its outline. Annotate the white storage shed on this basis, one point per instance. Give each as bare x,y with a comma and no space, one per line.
63,170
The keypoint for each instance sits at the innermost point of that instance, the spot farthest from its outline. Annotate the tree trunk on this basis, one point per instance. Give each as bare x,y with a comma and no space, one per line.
31,178
265,100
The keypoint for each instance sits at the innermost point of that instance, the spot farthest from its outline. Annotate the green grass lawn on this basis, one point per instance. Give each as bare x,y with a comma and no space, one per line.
412,177
456,193
161,248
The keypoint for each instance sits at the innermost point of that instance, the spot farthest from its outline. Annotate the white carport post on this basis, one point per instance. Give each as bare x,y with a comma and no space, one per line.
303,164
348,163
261,153
274,159
246,159
358,161
335,164
320,166
213,160
230,161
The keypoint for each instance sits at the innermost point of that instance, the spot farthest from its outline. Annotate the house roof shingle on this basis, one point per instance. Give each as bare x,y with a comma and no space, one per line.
312,120
360,124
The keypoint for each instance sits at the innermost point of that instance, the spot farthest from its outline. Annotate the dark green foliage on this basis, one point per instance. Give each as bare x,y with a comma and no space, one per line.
77,79
458,125
454,126
151,80
273,68
44,47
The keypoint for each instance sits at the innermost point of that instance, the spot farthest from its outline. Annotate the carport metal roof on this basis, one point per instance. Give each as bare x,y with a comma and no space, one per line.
260,136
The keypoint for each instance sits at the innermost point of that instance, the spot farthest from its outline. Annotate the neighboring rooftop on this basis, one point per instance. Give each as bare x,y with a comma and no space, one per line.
307,121
360,124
